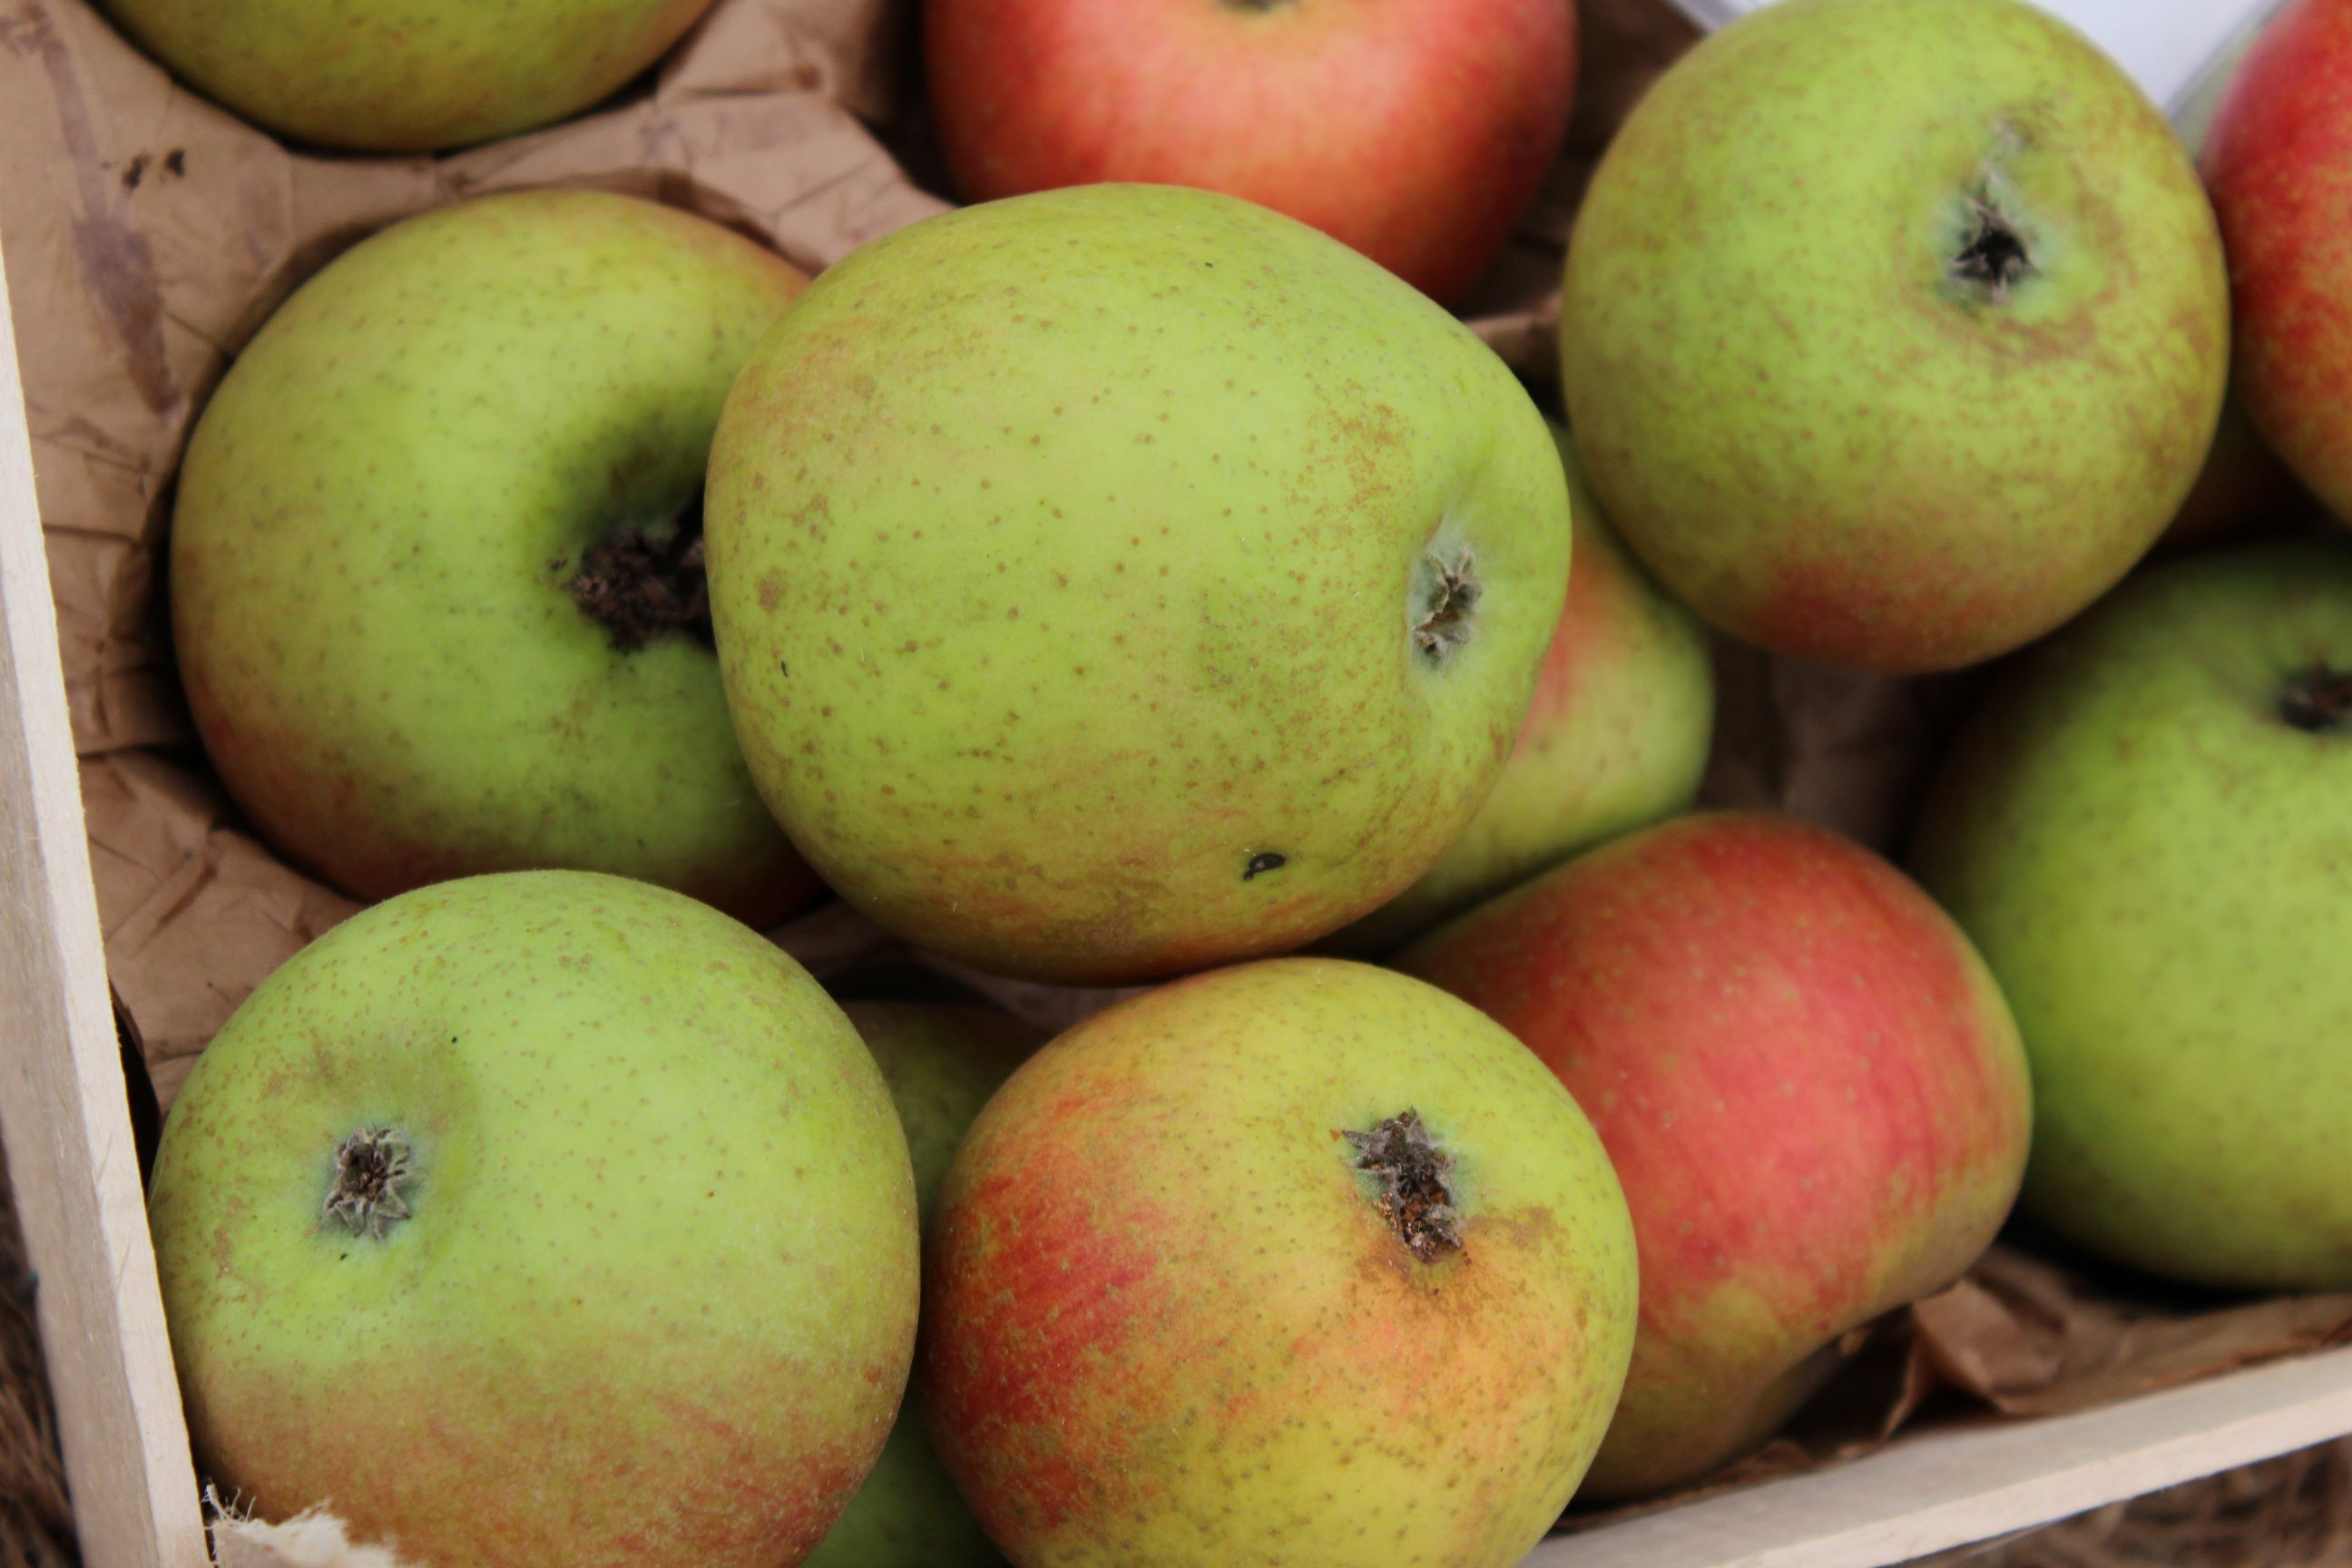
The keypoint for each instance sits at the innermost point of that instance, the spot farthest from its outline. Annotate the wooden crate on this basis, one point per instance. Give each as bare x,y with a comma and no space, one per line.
65,1119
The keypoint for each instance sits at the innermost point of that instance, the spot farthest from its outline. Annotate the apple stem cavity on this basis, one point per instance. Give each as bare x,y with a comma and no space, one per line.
1994,258
641,584
2318,701
371,1167
1445,594
1414,1197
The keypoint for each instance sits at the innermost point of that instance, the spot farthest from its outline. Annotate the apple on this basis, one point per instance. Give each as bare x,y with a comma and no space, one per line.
2144,828
405,76
1126,579
1806,1078
1615,738
941,1062
542,1219
436,582
1415,130
2242,491
1299,1261
2278,159
1893,331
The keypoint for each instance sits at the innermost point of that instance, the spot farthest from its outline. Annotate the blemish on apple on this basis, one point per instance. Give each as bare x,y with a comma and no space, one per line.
1414,1197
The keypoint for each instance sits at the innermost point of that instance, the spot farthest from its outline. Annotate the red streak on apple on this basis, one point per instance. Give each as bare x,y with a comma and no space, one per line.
1080,1238
1415,130
2278,163
736,1483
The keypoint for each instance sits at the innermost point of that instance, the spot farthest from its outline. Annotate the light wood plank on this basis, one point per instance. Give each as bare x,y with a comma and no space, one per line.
1949,1487
64,1114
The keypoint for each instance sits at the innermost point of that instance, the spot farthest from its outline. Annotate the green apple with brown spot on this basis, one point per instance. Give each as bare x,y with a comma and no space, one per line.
1121,580
1616,736
1299,1261
1893,332
543,1219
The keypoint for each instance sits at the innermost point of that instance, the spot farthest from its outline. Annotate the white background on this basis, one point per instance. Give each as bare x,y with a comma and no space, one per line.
2168,45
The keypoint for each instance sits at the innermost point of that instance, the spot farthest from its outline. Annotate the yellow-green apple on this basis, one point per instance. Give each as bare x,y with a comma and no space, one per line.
1125,579
1809,1086
1299,1261
2279,162
541,1220
2144,828
1615,738
1415,131
1893,331
436,567
941,1062
405,76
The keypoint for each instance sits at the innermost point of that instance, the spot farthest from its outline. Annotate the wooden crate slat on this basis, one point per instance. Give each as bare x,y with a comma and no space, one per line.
64,1114
1948,1488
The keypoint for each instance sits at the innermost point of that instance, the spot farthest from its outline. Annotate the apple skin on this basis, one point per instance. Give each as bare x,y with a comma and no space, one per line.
1802,415
2151,859
1809,1084
653,1302
941,1063
2278,160
405,76
380,509
1415,130
1169,1325
1076,564
1616,736
2243,490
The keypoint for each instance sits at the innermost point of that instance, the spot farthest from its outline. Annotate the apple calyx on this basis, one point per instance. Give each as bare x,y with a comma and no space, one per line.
1414,1197
1446,594
2318,701
1994,257
641,584
370,1167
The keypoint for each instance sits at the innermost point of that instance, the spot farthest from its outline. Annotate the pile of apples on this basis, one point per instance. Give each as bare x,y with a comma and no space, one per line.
1118,583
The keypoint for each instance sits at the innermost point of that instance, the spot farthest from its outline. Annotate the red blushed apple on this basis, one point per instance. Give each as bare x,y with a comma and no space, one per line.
1807,1079
2243,490
2278,162
1298,1262
1415,131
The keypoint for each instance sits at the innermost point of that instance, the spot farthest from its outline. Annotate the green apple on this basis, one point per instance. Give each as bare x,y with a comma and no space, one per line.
545,1218
2145,829
1616,736
405,76
941,1063
436,591
1120,580
1893,331
1294,1262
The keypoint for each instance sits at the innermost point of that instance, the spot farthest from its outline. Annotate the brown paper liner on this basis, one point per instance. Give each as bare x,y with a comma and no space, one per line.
147,235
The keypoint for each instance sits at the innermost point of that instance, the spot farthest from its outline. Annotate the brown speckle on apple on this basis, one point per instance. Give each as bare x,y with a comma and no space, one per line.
1262,862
